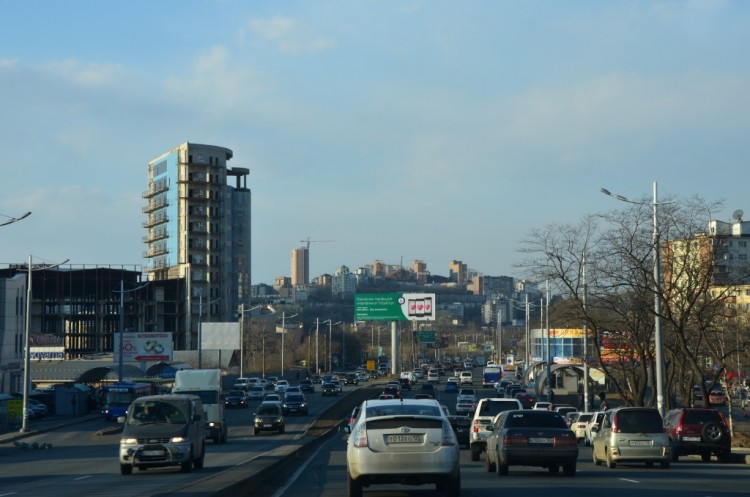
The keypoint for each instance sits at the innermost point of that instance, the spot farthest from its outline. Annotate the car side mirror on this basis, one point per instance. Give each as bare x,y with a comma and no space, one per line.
346,429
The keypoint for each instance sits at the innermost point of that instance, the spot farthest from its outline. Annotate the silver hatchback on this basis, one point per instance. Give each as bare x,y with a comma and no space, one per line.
408,441
631,434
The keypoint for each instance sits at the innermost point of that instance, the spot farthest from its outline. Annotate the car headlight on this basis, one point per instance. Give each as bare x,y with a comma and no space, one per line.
284,405
178,440
128,441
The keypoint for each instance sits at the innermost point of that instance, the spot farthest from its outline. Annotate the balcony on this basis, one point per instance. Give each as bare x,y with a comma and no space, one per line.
155,252
156,189
155,205
155,221
155,236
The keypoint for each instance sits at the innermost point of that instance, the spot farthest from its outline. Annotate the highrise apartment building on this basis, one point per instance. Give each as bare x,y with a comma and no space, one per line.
301,266
198,229
459,272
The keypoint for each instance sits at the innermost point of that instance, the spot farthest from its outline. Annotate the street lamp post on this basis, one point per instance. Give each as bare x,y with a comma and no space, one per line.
283,332
585,342
27,343
122,293
658,352
330,343
11,219
242,336
549,355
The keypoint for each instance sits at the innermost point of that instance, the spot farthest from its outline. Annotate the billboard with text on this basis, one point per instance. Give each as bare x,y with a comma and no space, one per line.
394,307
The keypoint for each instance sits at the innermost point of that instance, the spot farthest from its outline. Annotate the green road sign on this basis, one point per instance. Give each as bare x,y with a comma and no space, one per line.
426,336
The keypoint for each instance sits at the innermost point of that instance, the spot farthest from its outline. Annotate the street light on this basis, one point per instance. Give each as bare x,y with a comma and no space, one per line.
283,332
122,293
657,294
330,342
27,342
12,219
200,328
242,337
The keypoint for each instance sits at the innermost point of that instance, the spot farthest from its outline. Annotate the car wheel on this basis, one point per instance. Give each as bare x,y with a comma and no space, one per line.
187,466
354,488
198,463
126,469
475,451
596,461
675,454
453,487
611,464
490,466
712,432
553,469
569,469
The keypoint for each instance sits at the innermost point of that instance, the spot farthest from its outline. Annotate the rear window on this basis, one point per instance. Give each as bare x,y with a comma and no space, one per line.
403,409
637,421
393,423
535,419
700,417
490,408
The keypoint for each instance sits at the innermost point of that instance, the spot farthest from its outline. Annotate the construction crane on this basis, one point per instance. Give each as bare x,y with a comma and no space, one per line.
308,241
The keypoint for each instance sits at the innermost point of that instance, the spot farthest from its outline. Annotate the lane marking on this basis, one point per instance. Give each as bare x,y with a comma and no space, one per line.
82,477
628,480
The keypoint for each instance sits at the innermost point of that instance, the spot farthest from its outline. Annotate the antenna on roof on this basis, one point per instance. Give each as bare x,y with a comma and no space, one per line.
737,215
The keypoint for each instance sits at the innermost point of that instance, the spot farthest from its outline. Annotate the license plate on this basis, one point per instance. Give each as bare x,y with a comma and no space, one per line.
152,452
404,439
691,439
641,443
537,440
267,425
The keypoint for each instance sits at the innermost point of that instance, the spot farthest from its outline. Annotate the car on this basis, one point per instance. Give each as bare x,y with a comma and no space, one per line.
461,427
271,398
317,379
294,403
281,386
526,399
235,398
700,431
37,408
531,438
429,389
307,386
293,389
338,385
564,410
455,379
351,379
481,423
579,423
405,384
717,397
268,417
243,383
465,407
594,422
697,393
271,381
631,434
353,417
419,395
418,375
394,390
467,394
544,406
328,388
466,377
402,441
256,393
363,377
451,387
433,376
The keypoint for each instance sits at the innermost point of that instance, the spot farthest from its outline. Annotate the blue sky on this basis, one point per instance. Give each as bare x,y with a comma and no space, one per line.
432,130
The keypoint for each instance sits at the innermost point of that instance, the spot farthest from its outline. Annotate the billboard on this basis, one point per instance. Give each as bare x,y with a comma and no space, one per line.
143,346
394,307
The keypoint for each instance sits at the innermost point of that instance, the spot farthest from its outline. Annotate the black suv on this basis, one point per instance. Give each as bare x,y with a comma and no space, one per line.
351,379
701,431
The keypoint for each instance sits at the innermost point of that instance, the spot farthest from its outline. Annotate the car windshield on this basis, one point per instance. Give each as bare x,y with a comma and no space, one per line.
491,408
159,412
267,411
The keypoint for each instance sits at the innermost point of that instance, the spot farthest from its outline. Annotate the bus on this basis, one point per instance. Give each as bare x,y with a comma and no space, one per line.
116,397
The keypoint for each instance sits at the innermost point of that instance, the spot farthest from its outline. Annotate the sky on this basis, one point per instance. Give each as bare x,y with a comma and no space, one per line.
394,130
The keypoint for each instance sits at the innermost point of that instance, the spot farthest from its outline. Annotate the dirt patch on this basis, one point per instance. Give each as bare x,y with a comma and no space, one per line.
340,411
741,439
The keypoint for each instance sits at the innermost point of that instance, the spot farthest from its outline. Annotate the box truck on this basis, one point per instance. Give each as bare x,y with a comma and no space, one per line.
206,384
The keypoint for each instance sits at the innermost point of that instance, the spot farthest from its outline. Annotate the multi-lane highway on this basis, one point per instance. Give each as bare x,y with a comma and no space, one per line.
82,463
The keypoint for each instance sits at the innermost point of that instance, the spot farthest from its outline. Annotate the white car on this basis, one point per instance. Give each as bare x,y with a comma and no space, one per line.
578,424
592,425
433,376
407,441
466,377
467,394
281,386
481,424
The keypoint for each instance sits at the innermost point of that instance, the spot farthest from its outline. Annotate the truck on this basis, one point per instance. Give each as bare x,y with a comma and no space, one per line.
206,384
491,375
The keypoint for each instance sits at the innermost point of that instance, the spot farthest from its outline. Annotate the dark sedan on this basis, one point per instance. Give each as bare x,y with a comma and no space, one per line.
307,386
531,438
527,400
329,388
235,398
461,426
294,403
268,417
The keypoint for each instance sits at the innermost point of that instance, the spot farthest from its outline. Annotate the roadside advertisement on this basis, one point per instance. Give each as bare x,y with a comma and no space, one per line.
144,346
394,307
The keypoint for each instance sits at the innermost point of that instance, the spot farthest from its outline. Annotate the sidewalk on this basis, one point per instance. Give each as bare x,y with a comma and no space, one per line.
48,423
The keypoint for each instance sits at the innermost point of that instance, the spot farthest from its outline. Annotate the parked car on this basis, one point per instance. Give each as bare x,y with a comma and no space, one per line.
268,417
402,441
531,438
294,403
717,397
631,434
235,398
579,423
481,424
700,431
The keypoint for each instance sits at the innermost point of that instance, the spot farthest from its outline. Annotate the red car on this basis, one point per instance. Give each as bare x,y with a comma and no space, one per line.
717,398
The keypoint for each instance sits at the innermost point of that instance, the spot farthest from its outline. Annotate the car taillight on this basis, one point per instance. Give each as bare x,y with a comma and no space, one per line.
565,441
360,435
449,437
516,440
476,426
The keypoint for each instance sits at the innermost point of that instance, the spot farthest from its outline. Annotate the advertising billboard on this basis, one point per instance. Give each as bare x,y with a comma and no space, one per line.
144,346
394,307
